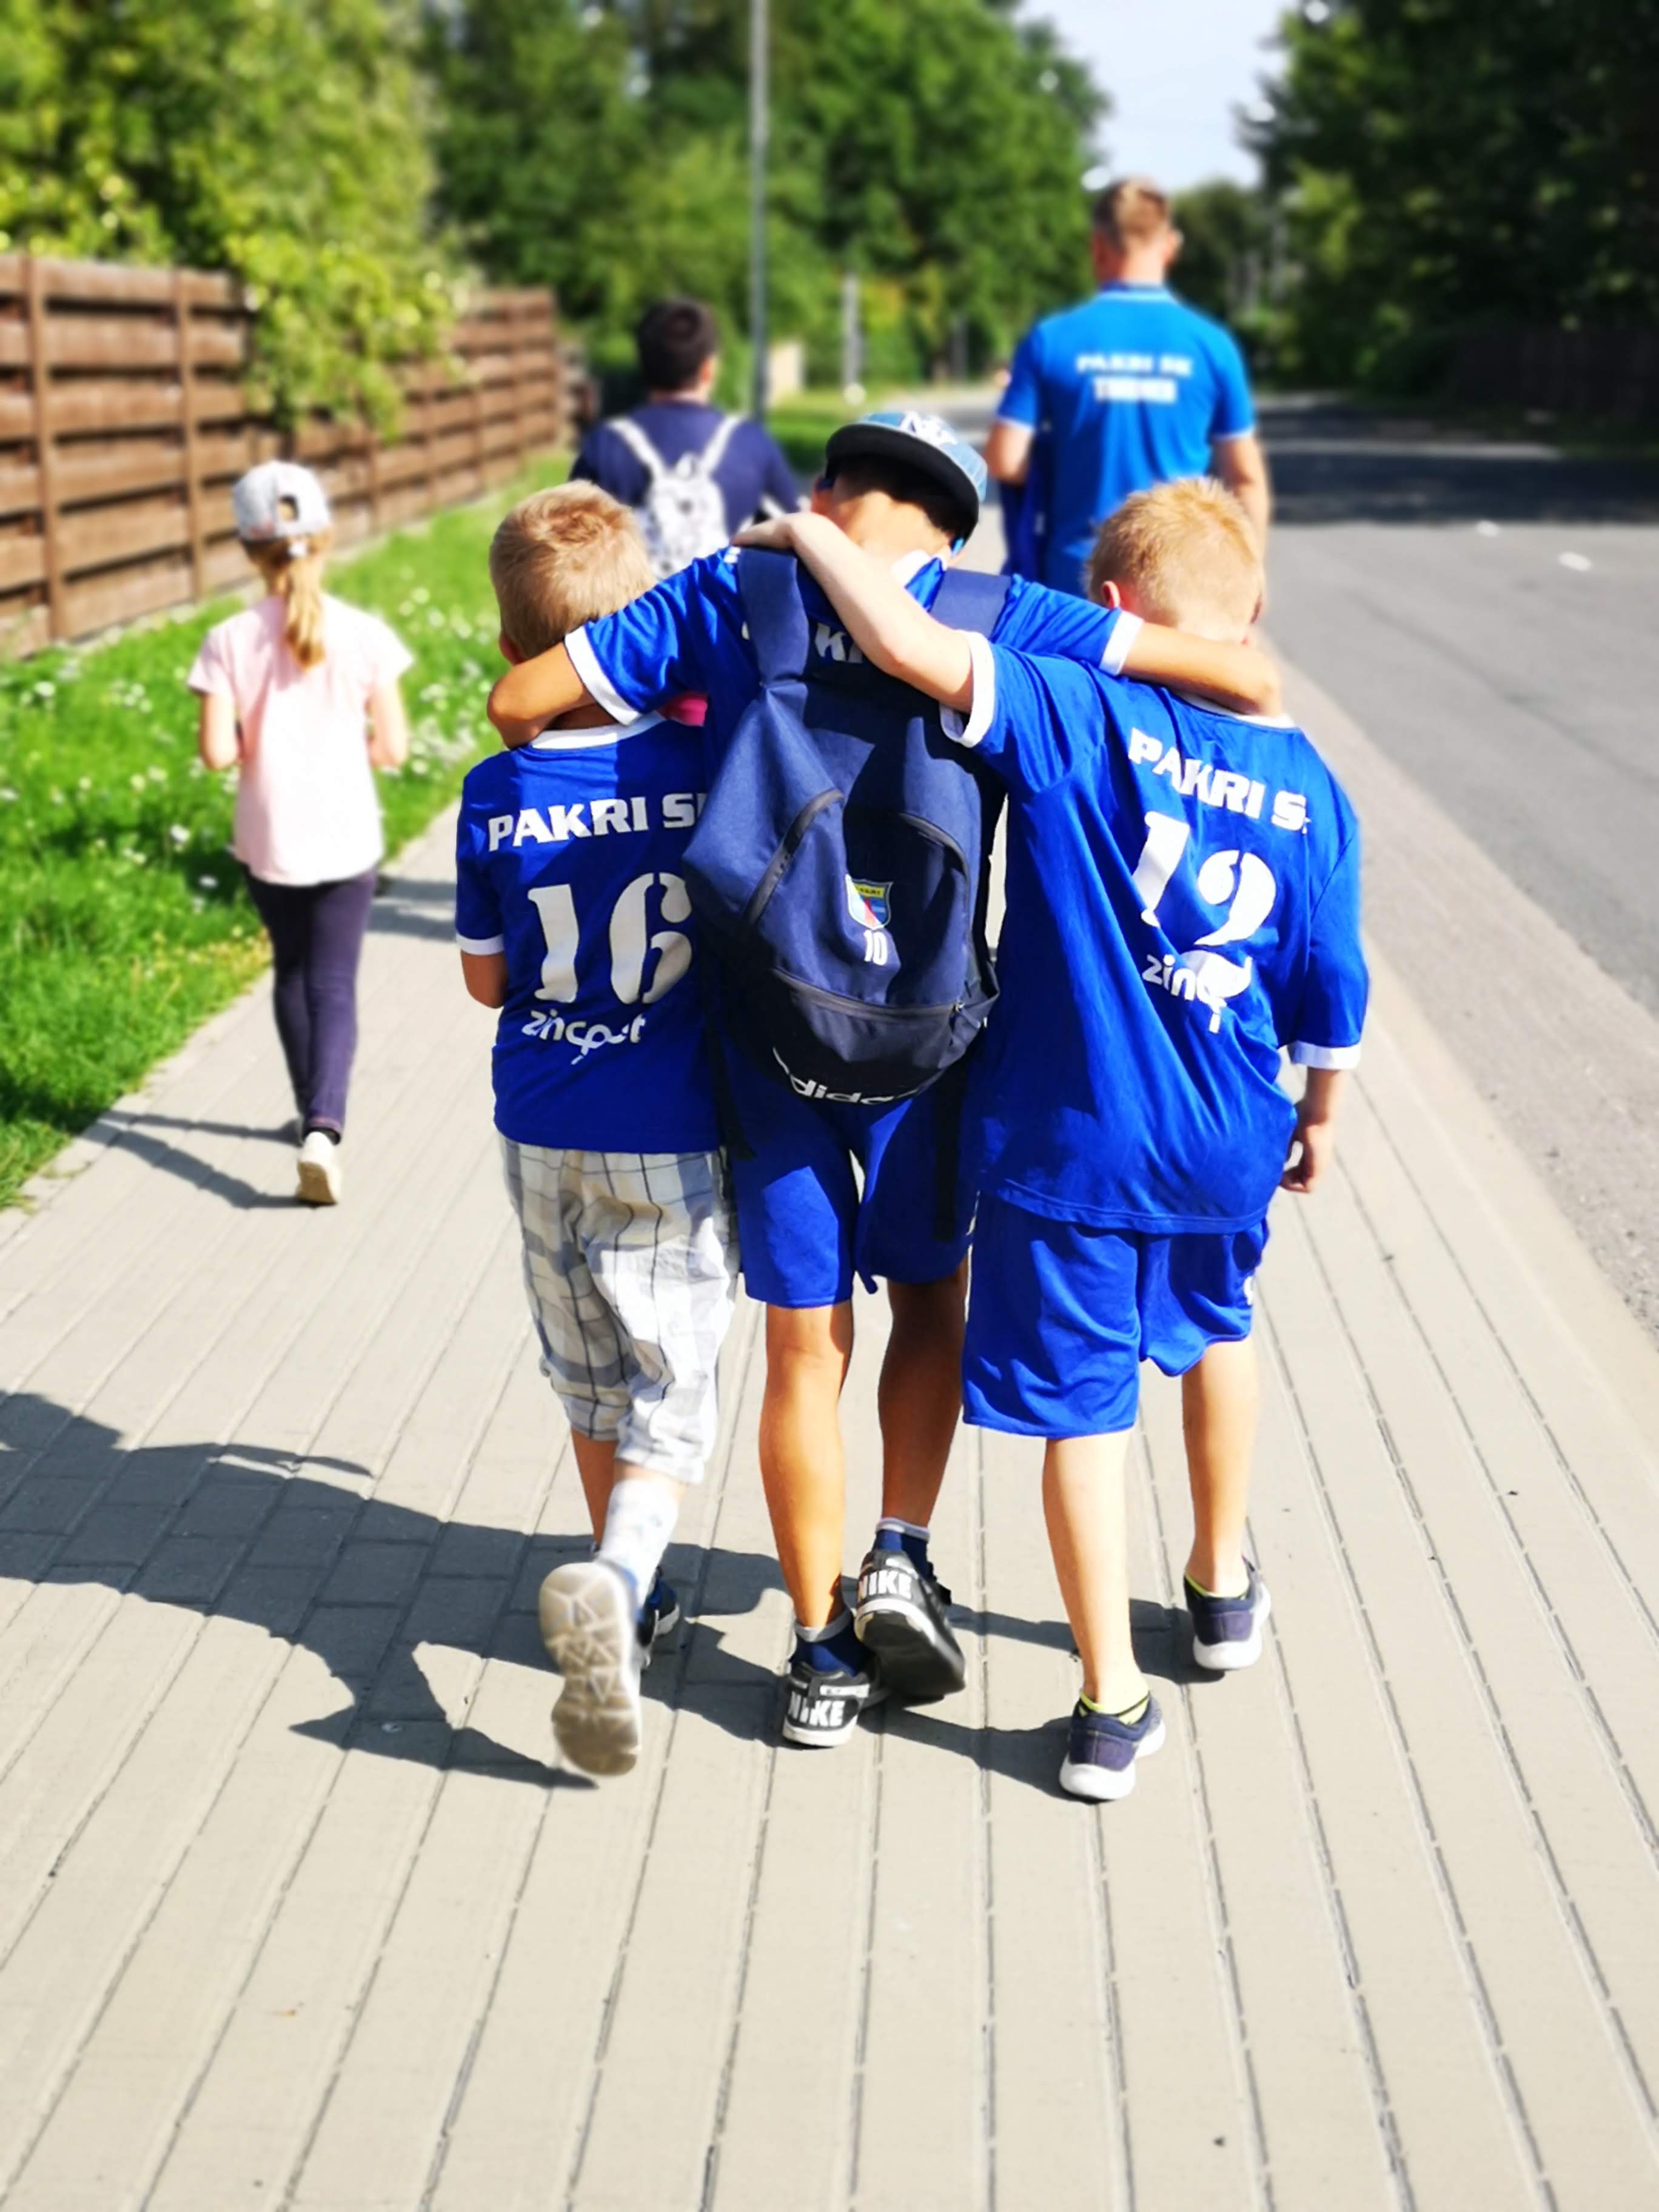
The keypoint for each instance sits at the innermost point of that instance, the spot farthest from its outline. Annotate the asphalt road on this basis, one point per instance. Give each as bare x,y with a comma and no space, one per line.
1490,613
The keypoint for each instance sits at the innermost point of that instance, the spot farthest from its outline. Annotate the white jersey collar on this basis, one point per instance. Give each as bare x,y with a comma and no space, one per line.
593,738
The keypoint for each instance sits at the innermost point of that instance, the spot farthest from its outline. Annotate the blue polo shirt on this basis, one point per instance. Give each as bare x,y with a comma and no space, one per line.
1127,389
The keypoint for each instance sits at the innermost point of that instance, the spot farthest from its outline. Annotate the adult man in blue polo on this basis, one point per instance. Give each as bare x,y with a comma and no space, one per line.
1127,390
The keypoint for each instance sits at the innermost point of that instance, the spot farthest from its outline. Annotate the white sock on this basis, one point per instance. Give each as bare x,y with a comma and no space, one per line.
891,1522
638,1523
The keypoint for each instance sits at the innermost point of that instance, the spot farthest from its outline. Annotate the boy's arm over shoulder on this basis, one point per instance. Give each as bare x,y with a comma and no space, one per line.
1032,718
657,647
664,643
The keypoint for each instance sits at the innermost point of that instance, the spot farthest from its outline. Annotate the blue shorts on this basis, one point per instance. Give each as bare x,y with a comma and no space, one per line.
1060,1316
804,1225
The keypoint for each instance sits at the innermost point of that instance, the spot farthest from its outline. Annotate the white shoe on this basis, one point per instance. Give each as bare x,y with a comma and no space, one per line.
320,1173
589,1625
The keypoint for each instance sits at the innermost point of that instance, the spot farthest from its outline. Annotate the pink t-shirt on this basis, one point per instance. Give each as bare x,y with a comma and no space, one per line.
306,806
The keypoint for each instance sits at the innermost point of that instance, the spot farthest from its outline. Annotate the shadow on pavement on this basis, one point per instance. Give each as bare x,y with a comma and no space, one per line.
1333,463
240,1533
298,1547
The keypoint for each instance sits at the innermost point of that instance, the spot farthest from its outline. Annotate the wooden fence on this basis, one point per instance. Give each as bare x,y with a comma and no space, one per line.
123,422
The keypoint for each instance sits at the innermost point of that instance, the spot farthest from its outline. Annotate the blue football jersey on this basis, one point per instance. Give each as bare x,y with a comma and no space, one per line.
1127,390
688,635
1182,902
567,856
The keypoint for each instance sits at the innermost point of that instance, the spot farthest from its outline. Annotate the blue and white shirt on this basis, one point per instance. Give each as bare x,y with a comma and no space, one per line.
567,859
1127,390
688,634
1182,902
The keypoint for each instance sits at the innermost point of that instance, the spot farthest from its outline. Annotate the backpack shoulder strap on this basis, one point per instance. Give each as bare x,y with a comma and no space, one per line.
639,445
966,599
715,451
769,585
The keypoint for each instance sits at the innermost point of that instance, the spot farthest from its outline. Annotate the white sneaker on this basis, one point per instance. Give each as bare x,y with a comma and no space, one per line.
589,1625
320,1173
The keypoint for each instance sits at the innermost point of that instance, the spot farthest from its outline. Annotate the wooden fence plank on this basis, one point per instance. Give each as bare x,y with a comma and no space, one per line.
40,392
187,351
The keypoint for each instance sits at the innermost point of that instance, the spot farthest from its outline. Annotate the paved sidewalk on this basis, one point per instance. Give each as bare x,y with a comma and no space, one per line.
293,1911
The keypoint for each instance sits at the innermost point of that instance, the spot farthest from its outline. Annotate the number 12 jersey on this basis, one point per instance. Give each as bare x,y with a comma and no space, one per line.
567,860
1183,904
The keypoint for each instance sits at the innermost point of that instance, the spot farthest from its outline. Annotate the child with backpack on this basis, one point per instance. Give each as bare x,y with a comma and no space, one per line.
835,1176
300,693
691,474
572,919
1182,904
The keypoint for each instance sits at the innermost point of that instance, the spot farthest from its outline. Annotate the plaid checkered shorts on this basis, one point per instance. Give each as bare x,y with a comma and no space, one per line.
631,1259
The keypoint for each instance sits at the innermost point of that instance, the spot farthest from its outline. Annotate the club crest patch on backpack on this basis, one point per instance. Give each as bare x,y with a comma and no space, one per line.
838,868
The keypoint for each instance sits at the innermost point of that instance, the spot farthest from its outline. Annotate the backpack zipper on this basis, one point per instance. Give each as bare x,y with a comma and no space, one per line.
786,853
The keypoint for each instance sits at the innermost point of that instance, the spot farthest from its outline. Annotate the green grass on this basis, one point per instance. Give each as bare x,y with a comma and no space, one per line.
124,920
802,426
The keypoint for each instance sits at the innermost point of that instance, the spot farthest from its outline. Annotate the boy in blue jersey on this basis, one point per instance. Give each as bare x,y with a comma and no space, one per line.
826,1190
1182,902
573,919
1129,389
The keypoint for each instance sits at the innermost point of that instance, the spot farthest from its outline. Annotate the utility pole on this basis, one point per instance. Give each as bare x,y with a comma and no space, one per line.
758,131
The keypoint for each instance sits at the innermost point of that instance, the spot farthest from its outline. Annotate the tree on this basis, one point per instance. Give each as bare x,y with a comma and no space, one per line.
1445,164
936,146
282,142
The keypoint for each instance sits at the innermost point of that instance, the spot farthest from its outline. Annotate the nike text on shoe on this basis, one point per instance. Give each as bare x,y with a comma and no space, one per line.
900,1617
1227,1631
822,1708
589,1623
320,1177
1100,1752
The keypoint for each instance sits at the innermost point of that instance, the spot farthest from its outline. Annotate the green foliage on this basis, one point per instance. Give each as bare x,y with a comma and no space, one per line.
124,922
1449,164
281,140
1225,242
934,148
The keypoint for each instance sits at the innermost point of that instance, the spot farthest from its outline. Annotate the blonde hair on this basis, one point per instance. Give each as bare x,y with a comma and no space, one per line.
563,557
1188,551
296,577
1132,212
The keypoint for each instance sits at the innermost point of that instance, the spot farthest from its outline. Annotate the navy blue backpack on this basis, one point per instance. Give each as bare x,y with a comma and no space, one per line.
839,867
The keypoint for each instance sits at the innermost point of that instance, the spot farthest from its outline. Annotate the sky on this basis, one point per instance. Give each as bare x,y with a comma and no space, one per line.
1176,69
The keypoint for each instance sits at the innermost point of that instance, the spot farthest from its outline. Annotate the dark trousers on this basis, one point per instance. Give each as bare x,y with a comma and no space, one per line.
316,932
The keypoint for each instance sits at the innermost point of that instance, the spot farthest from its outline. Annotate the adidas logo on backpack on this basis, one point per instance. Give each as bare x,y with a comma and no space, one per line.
681,517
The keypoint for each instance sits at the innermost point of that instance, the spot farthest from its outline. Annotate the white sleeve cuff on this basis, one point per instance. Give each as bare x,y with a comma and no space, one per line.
1126,629
1325,1055
599,688
481,943
970,729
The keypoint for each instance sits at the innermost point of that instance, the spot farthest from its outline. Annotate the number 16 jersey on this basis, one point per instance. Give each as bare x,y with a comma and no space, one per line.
567,860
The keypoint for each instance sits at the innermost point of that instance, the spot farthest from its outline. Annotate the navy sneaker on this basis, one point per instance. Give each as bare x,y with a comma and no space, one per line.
1227,1631
824,1705
660,1616
900,1615
1102,1750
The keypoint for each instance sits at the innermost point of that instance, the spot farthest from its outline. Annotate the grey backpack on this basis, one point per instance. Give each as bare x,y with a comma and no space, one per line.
682,514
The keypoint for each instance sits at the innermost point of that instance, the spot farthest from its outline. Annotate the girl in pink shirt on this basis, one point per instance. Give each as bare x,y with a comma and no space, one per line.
300,692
